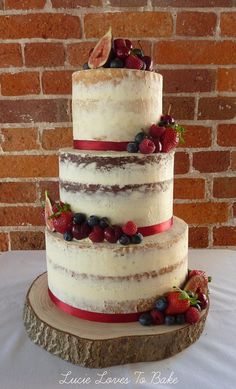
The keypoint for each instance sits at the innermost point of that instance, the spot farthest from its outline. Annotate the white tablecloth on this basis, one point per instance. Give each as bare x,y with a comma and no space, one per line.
210,363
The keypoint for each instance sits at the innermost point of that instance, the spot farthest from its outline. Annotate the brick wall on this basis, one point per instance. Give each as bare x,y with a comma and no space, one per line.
44,41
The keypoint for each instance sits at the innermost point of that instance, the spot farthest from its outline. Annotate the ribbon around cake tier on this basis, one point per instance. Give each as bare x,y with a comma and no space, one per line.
99,145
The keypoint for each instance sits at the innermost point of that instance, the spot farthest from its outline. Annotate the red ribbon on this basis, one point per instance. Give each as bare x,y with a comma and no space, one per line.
100,145
156,228
94,316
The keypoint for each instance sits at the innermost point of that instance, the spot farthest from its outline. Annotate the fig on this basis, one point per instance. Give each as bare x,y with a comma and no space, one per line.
101,52
48,213
197,282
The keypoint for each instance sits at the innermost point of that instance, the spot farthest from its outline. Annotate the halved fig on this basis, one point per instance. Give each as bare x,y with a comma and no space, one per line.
101,51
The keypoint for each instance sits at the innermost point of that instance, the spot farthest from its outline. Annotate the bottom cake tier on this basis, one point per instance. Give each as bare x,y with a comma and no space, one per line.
111,278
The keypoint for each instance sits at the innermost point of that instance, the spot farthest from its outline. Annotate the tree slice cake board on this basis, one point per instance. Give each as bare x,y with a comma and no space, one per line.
92,344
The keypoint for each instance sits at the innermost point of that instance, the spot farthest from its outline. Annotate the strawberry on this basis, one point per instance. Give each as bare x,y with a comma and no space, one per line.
130,228
97,235
156,131
133,62
169,140
178,302
147,146
62,217
192,315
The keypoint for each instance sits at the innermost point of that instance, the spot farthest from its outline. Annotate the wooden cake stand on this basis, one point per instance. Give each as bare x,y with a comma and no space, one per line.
100,345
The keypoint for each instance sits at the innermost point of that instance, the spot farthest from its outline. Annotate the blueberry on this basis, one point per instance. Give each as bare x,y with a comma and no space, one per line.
180,318
68,236
132,147
138,52
85,66
104,222
162,123
116,63
93,221
145,319
137,238
124,239
79,218
140,136
169,320
161,304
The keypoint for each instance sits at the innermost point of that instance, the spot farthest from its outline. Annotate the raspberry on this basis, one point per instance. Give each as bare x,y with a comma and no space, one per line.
147,146
157,317
97,235
130,228
192,315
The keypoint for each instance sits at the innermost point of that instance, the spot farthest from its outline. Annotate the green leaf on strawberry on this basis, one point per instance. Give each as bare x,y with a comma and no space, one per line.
180,131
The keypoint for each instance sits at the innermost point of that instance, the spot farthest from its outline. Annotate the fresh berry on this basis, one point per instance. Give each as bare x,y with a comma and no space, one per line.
68,236
192,315
119,43
161,123
79,218
198,306
157,317
156,131
133,147
203,300
147,146
138,52
118,232
137,238
109,235
62,219
161,304
197,282
85,230
85,66
97,234
128,44
116,63
140,136
178,302
76,232
167,119
144,66
169,140
133,62
93,221
130,228
145,319
180,318
148,62
158,145
124,240
197,273
169,320
122,52
104,222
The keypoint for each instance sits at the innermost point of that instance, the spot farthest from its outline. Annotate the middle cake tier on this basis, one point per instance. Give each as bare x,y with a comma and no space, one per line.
118,185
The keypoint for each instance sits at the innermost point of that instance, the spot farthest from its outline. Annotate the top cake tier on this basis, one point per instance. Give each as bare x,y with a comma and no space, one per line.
114,104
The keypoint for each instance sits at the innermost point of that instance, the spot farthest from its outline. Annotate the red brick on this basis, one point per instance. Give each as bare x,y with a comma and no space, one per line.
233,160
57,82
188,80
21,216
216,108
234,210
41,25
1,4
195,52
24,4
75,3
202,213
181,163
78,53
28,166
224,187
198,237
224,236
226,135
129,24
28,111
226,80
17,192
10,55
27,240
17,139
211,161
228,23
22,83
196,23
52,187
3,242
189,188
192,3
44,54
128,3
197,136
182,108
56,138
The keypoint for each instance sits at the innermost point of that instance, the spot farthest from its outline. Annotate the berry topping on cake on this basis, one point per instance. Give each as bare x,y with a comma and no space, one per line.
180,318
93,221
101,51
124,240
169,320
145,319
104,222
68,236
137,238
156,132
79,218
97,234
192,315
158,317
147,146
122,52
203,300
148,62
170,139
62,218
140,137
118,232
138,52
130,228
109,235
167,120
133,62
178,302
161,304
133,147
76,232
116,63
158,145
